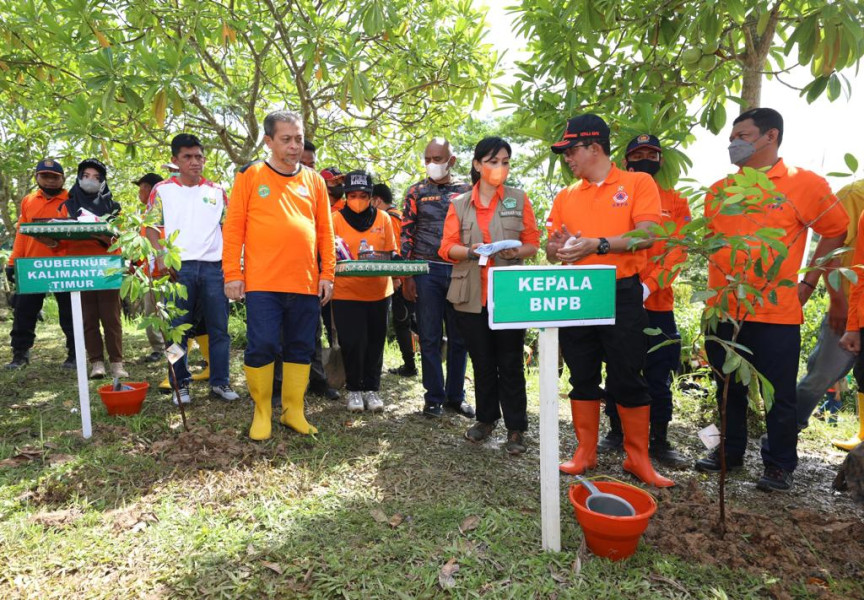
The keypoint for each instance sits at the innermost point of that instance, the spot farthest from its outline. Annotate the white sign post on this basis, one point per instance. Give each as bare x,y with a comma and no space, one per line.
72,274
548,298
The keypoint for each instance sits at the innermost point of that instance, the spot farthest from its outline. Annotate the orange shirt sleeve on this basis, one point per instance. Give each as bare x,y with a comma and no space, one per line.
681,216
324,231
553,220
234,230
824,212
646,204
856,290
451,236
530,232
19,244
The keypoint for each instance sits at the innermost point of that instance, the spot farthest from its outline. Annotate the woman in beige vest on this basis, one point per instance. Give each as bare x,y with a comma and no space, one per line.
490,212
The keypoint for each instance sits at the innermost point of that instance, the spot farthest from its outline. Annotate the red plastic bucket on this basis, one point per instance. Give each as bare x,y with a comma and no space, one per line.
614,538
124,402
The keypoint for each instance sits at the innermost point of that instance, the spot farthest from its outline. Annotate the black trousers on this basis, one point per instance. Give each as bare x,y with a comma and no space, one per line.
499,375
403,316
361,327
622,346
775,349
26,313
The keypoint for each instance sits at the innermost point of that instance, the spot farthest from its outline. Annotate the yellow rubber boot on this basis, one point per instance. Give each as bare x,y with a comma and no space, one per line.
204,346
295,378
259,380
165,386
854,440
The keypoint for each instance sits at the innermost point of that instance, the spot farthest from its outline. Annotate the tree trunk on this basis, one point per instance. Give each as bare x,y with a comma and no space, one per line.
751,85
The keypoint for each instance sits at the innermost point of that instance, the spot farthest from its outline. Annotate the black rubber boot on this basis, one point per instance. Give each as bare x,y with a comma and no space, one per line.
662,451
614,440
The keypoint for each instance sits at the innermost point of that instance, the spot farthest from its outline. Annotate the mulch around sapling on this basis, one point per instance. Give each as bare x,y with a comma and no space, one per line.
797,546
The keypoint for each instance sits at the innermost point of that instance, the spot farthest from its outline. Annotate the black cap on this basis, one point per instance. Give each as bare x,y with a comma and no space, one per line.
358,181
93,163
151,178
644,141
49,165
584,128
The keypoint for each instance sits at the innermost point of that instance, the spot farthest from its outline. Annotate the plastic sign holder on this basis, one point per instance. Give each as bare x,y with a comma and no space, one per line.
74,274
548,298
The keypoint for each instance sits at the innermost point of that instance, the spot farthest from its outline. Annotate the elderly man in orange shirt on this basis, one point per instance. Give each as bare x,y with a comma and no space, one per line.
770,330
277,226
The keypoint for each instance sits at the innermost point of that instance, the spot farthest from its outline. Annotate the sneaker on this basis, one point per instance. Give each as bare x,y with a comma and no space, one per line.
515,443
405,370
69,364
479,432
433,410
223,392
185,398
97,370
117,370
153,357
373,401
775,479
355,402
711,463
19,361
463,408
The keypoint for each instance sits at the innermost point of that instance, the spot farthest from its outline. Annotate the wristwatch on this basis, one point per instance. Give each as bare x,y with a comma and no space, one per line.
603,246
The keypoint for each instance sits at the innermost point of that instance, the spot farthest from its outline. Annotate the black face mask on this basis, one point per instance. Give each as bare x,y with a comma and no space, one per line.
49,191
646,165
337,191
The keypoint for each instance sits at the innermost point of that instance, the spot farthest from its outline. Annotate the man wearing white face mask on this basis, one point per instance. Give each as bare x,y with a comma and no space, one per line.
771,330
426,205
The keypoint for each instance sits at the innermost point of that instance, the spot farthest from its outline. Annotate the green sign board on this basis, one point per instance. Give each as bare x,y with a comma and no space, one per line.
543,296
68,274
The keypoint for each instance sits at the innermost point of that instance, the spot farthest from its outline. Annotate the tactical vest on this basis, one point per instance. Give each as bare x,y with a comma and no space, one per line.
506,224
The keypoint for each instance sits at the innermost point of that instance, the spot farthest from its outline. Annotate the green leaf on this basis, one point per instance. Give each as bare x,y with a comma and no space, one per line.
851,162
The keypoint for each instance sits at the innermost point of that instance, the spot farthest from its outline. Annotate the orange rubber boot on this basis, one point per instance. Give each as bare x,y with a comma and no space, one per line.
636,423
586,424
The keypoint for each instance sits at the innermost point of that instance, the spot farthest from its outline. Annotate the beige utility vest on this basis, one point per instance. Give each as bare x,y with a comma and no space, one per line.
506,224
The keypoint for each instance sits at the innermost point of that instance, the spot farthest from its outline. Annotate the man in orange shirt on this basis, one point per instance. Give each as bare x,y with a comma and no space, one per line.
278,225
588,225
45,203
771,330
644,155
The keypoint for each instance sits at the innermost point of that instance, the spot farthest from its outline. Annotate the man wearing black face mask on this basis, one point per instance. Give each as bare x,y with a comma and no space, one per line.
644,154
45,203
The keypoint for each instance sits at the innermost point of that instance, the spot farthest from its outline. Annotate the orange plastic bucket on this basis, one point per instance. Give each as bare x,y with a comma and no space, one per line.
124,402
614,538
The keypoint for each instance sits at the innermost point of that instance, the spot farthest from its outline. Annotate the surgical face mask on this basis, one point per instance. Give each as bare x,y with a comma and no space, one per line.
740,151
357,205
91,186
646,165
437,171
50,191
494,176
337,191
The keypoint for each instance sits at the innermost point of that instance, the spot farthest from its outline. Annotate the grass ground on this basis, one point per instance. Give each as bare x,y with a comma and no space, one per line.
373,507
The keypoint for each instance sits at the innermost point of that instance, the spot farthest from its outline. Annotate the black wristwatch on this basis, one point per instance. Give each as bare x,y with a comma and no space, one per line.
603,246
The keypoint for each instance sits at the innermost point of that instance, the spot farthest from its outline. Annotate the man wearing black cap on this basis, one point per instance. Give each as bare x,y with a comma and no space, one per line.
145,185
588,225
45,203
643,155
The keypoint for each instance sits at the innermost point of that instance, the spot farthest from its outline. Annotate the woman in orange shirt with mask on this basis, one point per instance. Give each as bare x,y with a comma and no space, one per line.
490,212
360,304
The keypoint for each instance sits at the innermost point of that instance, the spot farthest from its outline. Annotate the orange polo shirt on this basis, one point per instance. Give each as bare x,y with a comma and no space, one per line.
279,224
380,237
609,209
856,290
808,202
452,230
674,209
36,206
396,216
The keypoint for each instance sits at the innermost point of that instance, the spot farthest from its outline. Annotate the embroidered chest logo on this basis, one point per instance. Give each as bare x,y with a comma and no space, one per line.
209,199
509,203
778,203
303,191
620,198
263,191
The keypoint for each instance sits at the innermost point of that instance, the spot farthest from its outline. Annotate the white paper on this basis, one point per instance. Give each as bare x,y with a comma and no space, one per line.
710,436
174,352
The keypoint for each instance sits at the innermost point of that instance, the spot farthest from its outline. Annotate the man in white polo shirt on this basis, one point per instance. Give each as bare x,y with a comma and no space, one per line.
195,208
